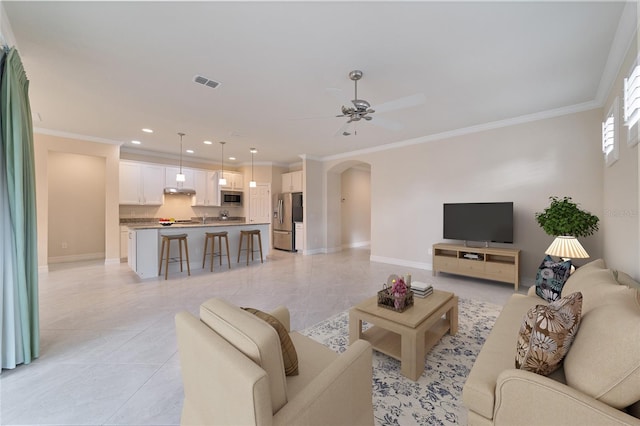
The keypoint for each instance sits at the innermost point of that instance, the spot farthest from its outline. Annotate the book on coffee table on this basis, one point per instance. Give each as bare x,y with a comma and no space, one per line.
421,289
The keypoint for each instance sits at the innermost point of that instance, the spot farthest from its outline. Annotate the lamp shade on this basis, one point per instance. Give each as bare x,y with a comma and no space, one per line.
567,247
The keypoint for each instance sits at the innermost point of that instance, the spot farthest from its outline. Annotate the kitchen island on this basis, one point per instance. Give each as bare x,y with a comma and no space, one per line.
145,241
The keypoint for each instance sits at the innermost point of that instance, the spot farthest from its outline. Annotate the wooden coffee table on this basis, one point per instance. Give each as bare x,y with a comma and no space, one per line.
406,336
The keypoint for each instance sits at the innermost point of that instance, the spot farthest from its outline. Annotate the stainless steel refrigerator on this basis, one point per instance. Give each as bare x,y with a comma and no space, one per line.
288,209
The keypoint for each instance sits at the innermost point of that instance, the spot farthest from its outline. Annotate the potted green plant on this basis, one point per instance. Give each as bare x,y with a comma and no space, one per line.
564,217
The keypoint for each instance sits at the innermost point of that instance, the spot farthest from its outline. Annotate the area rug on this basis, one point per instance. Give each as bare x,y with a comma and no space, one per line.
436,398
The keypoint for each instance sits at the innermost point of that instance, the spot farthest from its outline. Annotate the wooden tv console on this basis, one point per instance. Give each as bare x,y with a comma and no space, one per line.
498,264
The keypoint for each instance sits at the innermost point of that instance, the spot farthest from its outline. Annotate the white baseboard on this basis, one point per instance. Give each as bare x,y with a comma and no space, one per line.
113,261
401,262
332,250
43,269
76,258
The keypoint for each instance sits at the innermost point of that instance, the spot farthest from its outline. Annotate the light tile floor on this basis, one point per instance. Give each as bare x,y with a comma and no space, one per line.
108,347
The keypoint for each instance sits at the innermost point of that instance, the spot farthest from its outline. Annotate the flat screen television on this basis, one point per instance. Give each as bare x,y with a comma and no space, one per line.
487,222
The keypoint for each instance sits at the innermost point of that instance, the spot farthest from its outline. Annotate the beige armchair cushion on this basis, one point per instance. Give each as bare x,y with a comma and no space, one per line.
603,361
254,338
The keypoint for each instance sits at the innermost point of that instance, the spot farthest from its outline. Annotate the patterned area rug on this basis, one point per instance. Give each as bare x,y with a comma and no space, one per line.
436,398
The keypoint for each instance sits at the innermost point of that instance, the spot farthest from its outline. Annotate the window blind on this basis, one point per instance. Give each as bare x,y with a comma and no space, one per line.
632,97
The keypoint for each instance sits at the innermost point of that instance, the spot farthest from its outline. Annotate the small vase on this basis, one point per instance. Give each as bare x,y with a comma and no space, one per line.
398,302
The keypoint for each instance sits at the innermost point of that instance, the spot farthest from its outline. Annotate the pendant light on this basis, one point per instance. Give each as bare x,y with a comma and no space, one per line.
252,183
180,176
222,181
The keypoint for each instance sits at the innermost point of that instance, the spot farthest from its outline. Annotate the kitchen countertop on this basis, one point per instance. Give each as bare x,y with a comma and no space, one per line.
156,225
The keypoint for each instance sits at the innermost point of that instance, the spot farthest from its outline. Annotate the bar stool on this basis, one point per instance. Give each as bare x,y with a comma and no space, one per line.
250,234
167,239
212,236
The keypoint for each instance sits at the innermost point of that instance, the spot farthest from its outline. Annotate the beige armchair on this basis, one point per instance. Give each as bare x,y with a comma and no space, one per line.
233,373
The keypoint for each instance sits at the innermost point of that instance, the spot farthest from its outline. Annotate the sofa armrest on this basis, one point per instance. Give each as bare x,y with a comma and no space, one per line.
340,395
211,367
532,291
282,314
525,397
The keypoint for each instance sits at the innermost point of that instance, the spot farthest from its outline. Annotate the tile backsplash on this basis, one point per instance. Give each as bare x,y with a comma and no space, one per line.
178,207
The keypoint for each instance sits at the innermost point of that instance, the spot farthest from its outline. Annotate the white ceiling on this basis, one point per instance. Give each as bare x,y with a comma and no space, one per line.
108,69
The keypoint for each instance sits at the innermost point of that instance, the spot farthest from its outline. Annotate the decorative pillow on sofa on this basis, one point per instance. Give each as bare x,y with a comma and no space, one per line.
551,277
289,355
546,334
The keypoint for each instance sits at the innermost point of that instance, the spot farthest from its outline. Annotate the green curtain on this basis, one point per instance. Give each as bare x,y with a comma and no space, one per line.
19,317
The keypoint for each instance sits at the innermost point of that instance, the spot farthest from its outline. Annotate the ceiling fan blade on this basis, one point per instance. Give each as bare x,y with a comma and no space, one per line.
406,102
342,129
387,124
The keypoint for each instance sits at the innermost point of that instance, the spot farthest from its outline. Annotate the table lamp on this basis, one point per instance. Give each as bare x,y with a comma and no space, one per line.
567,247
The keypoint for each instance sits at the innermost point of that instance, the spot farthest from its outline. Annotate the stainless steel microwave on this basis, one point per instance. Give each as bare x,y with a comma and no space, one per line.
231,198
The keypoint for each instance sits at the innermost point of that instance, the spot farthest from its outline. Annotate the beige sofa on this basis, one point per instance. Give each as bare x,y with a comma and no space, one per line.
233,374
599,382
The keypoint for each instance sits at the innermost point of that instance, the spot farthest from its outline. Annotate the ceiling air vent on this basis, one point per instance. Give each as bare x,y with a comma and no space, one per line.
205,81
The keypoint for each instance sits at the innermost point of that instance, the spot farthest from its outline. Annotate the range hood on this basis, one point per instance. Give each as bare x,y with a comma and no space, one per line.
179,191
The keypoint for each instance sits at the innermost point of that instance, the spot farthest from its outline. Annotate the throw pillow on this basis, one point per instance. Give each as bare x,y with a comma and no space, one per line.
289,355
551,277
546,334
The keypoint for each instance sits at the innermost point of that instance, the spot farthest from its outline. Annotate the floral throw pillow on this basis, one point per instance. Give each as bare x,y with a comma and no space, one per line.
546,334
551,278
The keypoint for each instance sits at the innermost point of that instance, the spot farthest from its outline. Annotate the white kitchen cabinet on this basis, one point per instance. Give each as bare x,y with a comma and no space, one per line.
292,182
299,237
141,184
170,177
206,186
235,180
143,252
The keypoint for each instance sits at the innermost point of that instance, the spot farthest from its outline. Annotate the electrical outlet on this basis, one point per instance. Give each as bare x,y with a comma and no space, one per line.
64,245
430,252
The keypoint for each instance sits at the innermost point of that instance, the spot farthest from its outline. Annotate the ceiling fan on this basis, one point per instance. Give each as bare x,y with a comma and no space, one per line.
362,110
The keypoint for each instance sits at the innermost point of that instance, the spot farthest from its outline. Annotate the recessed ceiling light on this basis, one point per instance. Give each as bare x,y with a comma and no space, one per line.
189,151
232,158
136,142
147,130
207,142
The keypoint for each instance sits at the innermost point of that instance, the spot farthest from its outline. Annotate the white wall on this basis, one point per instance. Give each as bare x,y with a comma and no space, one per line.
356,207
43,145
524,163
314,206
76,207
6,32
620,220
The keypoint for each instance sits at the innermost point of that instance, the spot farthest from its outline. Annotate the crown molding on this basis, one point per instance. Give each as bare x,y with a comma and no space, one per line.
68,135
572,109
